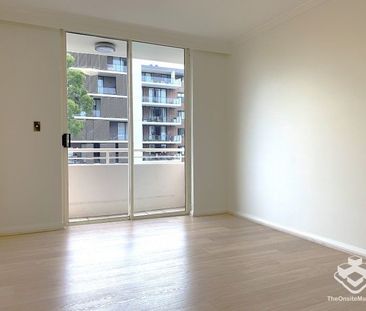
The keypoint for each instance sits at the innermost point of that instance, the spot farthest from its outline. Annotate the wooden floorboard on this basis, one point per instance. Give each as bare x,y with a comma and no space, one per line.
178,263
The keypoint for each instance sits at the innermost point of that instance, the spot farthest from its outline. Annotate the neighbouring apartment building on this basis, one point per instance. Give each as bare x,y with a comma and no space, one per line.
158,109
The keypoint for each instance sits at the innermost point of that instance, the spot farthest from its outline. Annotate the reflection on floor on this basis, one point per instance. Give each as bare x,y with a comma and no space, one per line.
172,263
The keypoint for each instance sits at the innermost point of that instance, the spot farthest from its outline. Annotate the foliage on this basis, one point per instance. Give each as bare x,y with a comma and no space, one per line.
78,100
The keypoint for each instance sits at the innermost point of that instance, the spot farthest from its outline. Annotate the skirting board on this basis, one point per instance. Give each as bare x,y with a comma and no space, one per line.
340,246
30,229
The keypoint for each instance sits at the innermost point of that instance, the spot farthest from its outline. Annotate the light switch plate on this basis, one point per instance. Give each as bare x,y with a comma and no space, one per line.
37,126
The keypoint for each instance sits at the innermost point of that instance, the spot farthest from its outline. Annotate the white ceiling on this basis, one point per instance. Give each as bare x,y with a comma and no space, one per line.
219,19
157,53
86,44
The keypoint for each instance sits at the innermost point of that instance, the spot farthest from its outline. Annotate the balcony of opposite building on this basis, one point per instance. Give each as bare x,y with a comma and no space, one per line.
93,64
153,101
161,82
162,139
159,120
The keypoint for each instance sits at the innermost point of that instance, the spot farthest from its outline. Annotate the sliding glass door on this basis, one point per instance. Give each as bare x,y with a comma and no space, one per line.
127,153
158,127
97,106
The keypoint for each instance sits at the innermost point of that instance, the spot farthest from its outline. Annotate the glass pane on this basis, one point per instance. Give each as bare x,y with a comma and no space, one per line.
159,165
97,120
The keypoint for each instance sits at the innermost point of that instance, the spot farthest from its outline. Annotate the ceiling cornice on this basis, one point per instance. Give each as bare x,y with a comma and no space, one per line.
278,20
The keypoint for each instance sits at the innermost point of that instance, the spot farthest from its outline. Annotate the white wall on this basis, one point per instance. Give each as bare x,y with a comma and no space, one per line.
298,124
210,102
30,163
99,190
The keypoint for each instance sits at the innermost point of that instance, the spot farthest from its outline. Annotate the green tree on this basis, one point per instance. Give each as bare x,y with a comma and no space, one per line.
78,100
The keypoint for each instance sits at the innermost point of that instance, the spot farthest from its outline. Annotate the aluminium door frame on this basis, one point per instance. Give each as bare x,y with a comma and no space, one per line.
64,129
131,148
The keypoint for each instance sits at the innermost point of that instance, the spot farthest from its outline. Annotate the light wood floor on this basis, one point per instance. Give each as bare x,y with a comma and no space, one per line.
179,263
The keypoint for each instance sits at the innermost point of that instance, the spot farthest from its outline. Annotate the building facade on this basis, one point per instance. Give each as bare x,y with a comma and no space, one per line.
162,103
158,107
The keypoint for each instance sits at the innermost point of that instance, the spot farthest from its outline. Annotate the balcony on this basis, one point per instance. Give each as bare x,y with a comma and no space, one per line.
117,68
155,120
85,117
122,70
107,156
106,95
161,102
110,92
98,185
92,64
158,139
107,90
161,82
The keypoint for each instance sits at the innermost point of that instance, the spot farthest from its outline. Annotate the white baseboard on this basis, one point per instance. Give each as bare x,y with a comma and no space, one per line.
340,246
30,229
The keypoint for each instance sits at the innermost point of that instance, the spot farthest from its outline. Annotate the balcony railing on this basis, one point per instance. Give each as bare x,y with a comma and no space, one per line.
107,90
89,156
115,67
164,138
154,119
162,80
104,191
162,100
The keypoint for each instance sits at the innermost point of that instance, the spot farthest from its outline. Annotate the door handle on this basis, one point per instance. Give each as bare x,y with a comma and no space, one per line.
66,140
